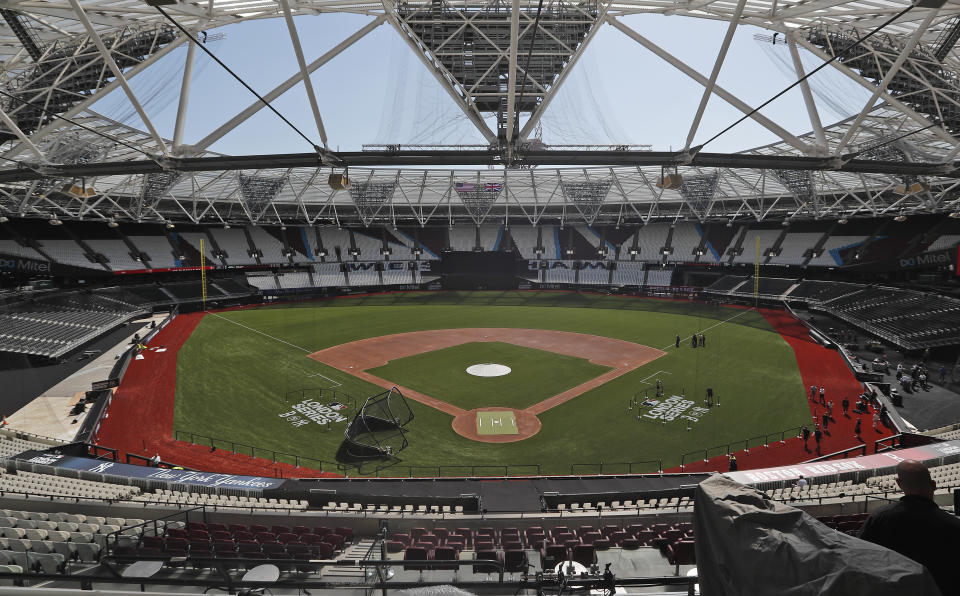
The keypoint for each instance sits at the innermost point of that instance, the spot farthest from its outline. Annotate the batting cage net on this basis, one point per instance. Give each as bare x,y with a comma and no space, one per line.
377,430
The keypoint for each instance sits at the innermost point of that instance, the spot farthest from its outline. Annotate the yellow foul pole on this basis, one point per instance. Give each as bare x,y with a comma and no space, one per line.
756,274
203,274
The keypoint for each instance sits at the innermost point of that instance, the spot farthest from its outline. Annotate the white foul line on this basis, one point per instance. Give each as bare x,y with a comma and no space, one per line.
338,384
644,381
673,345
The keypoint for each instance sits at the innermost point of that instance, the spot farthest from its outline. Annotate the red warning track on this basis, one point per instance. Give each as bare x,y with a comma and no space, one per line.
140,418
821,367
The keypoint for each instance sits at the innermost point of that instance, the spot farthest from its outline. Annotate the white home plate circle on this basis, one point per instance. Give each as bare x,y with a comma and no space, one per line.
488,370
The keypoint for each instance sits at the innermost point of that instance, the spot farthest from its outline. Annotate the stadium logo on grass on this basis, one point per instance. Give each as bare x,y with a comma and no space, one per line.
308,409
675,407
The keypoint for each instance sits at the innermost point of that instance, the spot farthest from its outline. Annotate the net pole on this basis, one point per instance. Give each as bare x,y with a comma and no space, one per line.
203,274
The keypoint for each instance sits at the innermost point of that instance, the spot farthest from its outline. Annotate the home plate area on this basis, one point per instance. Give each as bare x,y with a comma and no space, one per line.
496,423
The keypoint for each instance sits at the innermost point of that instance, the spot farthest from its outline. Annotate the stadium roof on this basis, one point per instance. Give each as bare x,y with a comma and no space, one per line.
501,62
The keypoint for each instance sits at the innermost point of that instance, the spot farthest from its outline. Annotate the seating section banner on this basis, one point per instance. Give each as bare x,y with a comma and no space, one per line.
159,474
853,464
27,266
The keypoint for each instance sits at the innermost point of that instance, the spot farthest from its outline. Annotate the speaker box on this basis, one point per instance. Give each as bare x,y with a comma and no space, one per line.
338,181
670,182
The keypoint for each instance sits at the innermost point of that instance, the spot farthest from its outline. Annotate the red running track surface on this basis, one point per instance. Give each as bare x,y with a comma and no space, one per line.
141,414
819,366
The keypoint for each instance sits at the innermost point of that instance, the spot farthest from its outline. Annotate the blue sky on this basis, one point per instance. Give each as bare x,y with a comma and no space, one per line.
377,91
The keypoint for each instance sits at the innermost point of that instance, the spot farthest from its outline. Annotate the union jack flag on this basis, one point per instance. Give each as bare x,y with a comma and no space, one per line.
493,186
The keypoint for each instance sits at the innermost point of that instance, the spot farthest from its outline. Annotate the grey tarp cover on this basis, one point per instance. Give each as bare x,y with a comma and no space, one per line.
748,545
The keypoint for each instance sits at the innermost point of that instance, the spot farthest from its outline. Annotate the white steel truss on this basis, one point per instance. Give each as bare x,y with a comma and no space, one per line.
502,61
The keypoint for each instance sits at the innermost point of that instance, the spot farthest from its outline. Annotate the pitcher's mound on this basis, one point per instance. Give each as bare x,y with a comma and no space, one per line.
488,370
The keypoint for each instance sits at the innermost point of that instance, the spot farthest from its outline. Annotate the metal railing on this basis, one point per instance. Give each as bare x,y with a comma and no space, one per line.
394,469
843,453
253,451
114,538
735,446
880,445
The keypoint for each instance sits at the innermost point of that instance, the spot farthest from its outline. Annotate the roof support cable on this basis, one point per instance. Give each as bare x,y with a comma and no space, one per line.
526,66
203,47
836,56
77,124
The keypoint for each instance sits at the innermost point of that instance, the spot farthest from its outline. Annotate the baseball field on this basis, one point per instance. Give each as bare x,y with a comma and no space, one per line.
581,386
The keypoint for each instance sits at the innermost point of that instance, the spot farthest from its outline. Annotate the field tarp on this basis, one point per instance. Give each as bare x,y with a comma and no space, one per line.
750,546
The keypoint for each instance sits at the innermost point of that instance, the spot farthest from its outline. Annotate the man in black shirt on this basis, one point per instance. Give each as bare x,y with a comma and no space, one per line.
917,528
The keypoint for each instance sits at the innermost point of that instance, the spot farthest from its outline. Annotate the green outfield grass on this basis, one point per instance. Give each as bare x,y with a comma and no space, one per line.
231,378
535,375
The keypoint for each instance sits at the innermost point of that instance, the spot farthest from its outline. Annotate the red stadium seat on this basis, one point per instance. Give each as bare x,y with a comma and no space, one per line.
347,534
584,554
682,552
552,555
323,550
486,555
445,553
335,540
515,560
415,553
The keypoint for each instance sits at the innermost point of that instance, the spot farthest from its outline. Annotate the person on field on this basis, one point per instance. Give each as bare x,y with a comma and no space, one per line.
813,392
693,340
856,429
823,395
825,421
845,405
806,437
817,436
703,341
733,463
678,340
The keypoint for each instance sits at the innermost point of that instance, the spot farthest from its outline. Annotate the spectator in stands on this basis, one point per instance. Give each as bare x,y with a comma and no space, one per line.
943,375
916,528
155,460
801,482
845,405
